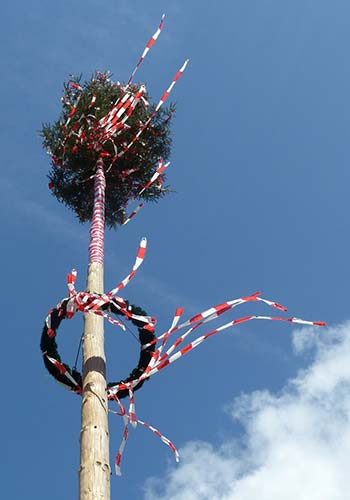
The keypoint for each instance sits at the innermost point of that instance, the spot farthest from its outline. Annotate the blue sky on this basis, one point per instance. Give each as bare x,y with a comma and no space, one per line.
259,169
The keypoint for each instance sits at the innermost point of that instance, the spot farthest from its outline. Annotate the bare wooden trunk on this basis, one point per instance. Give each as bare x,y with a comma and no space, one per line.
94,472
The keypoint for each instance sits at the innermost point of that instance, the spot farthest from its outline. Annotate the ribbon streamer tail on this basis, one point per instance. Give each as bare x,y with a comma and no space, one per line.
159,105
147,49
139,259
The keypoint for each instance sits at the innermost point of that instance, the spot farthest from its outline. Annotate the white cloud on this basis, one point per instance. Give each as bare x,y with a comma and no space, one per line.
295,445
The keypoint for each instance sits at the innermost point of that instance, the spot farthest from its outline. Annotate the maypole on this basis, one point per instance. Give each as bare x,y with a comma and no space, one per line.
98,165
110,146
94,471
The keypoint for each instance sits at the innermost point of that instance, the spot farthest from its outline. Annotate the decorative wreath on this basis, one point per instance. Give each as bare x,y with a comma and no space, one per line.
153,358
71,378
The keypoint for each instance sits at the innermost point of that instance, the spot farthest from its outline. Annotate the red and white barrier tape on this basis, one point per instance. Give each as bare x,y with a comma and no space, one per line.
156,354
132,414
161,167
165,361
119,107
63,370
139,259
133,213
157,175
126,418
88,302
147,48
112,122
119,454
159,105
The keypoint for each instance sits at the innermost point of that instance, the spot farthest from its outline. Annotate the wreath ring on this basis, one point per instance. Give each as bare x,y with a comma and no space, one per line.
72,378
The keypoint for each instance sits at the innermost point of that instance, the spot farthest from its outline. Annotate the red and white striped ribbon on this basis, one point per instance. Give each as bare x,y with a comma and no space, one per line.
119,454
77,303
121,104
125,416
163,438
155,355
132,414
215,311
50,331
75,86
88,302
96,246
161,167
160,103
133,213
115,123
63,370
93,100
147,48
155,431
71,279
139,259
75,106
202,338
171,86
139,95
121,407
157,175
158,361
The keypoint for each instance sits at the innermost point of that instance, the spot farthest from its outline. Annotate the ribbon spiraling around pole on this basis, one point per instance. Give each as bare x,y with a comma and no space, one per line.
96,247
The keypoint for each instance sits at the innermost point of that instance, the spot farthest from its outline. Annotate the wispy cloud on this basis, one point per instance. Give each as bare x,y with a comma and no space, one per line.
295,445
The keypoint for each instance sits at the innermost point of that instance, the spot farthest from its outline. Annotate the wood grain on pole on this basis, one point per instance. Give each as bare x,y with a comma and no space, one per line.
94,472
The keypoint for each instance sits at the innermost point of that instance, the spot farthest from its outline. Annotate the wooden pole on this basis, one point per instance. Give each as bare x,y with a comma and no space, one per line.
94,471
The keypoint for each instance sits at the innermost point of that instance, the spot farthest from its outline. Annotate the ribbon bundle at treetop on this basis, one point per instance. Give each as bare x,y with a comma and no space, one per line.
104,120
